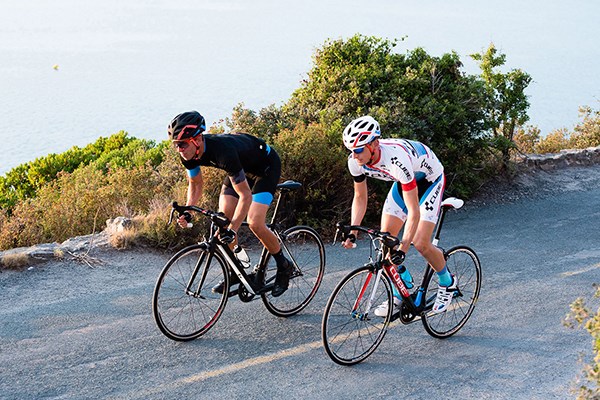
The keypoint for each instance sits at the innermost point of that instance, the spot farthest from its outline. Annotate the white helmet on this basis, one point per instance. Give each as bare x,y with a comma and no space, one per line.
360,132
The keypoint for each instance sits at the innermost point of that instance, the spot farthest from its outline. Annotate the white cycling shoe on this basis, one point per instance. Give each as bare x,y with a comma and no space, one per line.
382,309
444,297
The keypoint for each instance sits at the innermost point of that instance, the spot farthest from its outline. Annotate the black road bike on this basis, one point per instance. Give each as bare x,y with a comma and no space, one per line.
350,330
184,304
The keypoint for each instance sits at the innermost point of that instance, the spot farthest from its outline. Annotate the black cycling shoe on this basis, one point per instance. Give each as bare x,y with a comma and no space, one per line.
282,279
218,288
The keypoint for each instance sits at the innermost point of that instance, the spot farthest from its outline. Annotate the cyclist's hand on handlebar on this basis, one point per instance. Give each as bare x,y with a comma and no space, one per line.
227,235
184,220
397,256
350,241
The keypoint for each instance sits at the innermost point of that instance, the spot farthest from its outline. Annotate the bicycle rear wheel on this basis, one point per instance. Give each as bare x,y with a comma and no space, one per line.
182,310
350,330
303,247
464,264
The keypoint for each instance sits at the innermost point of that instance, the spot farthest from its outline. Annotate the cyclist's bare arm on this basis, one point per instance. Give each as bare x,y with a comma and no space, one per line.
411,199
194,193
359,207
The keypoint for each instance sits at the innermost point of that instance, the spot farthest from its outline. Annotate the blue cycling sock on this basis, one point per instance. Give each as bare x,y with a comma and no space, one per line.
445,277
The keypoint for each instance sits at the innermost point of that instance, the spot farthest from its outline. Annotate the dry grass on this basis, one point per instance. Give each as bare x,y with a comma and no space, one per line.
15,261
125,238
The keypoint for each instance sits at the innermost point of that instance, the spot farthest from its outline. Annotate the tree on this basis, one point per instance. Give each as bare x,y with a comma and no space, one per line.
506,102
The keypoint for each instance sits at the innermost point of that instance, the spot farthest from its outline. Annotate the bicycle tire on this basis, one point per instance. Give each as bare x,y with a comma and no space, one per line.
350,337
179,315
464,264
304,248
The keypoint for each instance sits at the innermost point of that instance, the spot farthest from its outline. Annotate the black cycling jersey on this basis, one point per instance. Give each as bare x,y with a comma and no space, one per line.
233,153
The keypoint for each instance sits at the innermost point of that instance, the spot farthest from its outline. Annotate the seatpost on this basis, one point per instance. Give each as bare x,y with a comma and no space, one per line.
438,226
276,207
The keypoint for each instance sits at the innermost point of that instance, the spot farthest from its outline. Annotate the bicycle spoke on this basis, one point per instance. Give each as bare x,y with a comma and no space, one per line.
304,249
351,334
183,315
464,265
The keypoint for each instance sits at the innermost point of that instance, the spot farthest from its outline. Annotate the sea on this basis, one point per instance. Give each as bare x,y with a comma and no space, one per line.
72,71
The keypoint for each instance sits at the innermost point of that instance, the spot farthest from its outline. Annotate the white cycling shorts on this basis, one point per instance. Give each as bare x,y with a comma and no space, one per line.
430,200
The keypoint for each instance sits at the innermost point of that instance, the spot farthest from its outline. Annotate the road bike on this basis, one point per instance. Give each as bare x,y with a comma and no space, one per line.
350,330
184,304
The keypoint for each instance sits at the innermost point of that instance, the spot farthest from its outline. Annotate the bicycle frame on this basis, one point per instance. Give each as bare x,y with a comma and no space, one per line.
414,302
214,243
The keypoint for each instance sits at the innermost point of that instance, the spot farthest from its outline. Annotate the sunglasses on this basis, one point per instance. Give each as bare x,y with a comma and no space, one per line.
181,144
359,150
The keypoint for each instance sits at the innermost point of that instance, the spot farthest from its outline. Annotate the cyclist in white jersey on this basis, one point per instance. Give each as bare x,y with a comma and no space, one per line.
413,202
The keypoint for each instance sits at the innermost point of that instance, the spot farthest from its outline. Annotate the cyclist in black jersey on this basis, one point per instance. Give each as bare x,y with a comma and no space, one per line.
253,171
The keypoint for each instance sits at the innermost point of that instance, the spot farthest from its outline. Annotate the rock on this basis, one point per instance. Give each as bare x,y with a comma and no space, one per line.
118,224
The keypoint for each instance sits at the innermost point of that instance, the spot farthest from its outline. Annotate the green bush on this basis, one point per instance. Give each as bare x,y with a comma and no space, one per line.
413,95
585,134
582,317
118,150
416,96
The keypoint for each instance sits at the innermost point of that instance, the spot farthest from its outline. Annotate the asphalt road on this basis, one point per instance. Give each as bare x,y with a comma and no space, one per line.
68,331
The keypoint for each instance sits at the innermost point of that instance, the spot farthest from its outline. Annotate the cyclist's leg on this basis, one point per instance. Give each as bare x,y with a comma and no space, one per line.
263,191
430,203
422,242
257,215
394,212
393,218
228,200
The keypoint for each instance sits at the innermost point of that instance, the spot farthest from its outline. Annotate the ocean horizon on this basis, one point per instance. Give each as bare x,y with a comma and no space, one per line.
72,72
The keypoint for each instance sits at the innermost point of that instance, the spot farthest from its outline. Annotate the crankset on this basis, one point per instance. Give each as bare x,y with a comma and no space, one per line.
244,294
406,315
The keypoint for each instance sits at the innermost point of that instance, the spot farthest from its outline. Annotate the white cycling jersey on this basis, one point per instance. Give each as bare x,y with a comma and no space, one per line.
410,164
401,160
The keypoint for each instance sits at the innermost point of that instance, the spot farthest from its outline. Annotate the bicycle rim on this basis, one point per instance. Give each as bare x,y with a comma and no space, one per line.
350,332
178,314
464,264
303,247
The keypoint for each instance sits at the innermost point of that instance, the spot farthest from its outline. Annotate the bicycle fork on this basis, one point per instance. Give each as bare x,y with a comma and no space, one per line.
362,316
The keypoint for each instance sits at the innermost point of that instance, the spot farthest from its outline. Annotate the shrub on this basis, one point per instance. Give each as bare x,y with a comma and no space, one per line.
527,138
587,133
582,317
553,142
416,96
118,150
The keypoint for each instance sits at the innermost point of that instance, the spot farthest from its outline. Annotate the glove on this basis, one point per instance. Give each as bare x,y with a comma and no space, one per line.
352,237
397,256
227,235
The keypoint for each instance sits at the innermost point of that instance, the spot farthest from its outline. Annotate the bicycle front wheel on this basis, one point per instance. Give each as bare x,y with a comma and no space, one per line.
183,303
464,264
304,249
350,330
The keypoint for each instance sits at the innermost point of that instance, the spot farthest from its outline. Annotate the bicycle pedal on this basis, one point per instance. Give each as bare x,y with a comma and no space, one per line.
266,288
233,292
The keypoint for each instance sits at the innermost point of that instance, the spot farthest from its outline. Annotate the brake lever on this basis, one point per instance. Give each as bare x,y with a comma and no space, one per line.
171,216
